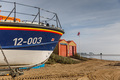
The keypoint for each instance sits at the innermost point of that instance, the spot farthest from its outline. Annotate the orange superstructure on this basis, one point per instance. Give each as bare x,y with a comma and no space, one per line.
9,18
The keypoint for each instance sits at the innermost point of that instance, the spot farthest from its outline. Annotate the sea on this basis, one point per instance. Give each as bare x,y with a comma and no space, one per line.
104,57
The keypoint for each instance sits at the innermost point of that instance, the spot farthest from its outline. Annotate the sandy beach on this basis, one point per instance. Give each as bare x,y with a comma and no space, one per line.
88,70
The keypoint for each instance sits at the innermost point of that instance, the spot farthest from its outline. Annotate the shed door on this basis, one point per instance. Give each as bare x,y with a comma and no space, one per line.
63,50
70,51
73,50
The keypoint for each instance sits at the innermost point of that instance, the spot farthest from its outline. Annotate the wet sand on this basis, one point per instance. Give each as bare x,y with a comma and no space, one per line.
88,70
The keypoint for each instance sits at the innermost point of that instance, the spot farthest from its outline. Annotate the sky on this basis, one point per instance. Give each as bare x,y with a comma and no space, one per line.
98,22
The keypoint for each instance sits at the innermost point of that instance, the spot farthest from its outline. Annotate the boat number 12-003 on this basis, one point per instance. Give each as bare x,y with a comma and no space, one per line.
20,41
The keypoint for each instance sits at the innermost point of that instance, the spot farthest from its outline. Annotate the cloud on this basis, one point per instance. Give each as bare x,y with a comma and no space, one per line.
103,39
94,19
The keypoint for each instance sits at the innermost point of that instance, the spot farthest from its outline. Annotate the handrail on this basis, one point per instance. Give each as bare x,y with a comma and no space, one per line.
36,16
30,15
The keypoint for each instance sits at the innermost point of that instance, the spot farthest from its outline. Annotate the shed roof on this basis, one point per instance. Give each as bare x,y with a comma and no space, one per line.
63,40
71,41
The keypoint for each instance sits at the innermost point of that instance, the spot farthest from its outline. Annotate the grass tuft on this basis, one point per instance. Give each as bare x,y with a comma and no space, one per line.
59,59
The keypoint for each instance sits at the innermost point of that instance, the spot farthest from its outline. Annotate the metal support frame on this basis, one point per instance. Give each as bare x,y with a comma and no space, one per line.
14,11
16,71
9,14
5,58
13,72
38,14
35,17
57,21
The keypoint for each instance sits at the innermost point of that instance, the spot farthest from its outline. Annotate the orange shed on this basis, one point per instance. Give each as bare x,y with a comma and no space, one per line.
65,48
61,49
71,48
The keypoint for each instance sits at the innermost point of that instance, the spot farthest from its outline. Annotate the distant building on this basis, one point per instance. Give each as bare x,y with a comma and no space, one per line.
91,53
65,48
83,53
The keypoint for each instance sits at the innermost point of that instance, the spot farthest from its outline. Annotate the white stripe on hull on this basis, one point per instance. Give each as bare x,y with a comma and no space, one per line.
26,57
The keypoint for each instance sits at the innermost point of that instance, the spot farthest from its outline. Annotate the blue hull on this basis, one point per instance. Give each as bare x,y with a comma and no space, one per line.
8,41
28,37
25,44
